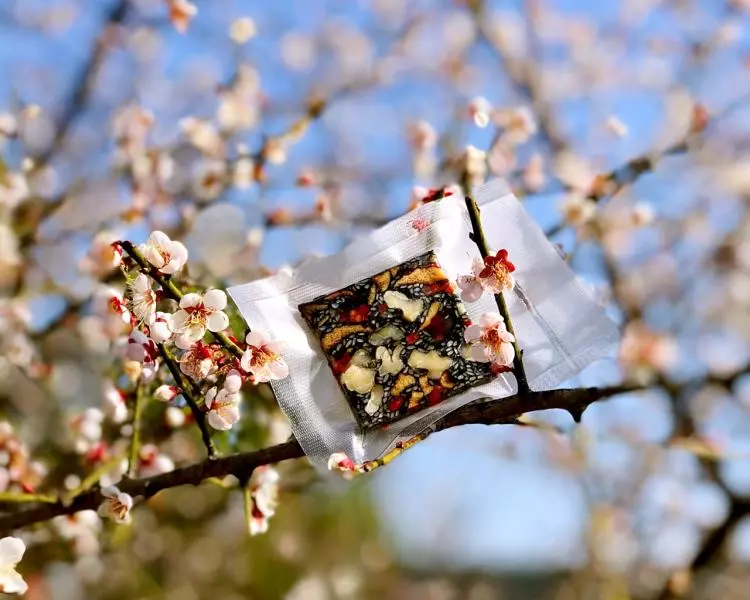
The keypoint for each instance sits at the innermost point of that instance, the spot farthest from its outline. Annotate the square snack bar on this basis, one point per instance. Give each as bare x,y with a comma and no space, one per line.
394,341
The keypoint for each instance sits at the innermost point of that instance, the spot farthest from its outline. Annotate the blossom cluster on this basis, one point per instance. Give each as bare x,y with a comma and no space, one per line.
18,472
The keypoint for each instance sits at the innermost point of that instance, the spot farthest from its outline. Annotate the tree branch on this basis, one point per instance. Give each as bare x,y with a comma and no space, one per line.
187,391
494,412
84,81
135,441
478,238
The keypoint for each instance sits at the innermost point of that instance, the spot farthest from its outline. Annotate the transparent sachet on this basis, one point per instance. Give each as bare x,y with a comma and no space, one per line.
373,333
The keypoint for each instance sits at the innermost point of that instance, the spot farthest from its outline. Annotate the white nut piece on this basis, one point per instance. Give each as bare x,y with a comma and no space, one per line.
431,361
358,379
411,308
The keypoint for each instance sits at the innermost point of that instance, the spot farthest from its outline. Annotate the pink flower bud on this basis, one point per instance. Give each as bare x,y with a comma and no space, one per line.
166,393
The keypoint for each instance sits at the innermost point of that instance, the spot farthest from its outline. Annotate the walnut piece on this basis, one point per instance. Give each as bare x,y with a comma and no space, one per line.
431,361
411,308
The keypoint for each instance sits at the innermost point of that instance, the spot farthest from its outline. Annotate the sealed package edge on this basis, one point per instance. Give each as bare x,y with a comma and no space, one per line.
375,333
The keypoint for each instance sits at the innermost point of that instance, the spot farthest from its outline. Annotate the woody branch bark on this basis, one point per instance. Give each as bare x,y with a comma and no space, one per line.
495,412
188,392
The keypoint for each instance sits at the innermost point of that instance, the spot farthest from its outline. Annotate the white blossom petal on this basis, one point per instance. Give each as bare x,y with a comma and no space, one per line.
110,491
491,319
478,353
277,347
11,550
183,341
233,382
257,339
505,355
210,397
279,369
472,333
12,582
215,299
190,300
158,238
246,360
217,321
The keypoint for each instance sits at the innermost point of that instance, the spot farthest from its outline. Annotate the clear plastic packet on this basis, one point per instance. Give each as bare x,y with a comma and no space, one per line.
559,326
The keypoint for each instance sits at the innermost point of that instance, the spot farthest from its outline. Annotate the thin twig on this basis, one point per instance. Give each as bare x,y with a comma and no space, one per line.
84,82
187,392
172,291
20,498
135,440
478,238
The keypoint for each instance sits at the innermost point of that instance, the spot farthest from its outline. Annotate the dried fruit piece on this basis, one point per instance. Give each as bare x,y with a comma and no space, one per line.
331,339
404,381
431,312
429,274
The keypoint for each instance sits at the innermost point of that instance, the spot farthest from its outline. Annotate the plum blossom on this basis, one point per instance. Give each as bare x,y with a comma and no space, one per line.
116,505
141,348
14,189
198,313
577,210
197,362
644,351
339,461
153,462
475,161
490,340
203,135
496,275
113,404
616,127
262,359
223,407
167,256
161,327
174,417
87,428
181,12
479,111
492,274
82,529
242,30
518,123
110,304
533,174
209,179
104,255
422,136
262,498
142,298
11,553
642,214
166,393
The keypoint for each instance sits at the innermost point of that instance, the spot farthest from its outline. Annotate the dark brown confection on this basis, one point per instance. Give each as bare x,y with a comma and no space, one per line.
394,341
